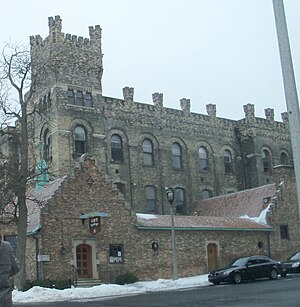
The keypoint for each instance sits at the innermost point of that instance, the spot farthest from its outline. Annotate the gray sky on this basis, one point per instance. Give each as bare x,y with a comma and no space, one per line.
223,52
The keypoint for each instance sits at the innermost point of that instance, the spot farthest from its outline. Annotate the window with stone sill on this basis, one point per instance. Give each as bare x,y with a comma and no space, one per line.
147,153
79,98
180,201
203,159
116,253
227,161
150,194
176,156
80,140
116,149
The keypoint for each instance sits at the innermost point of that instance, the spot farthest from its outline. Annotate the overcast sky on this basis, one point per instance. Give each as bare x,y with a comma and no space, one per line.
223,52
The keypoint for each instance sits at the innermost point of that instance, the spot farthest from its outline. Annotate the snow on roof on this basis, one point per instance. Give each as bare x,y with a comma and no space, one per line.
37,200
185,222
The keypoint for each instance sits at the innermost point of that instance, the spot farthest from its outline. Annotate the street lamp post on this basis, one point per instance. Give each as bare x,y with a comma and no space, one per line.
170,197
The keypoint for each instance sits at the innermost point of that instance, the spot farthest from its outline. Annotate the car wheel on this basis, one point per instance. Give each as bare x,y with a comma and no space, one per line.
237,278
283,274
216,283
273,274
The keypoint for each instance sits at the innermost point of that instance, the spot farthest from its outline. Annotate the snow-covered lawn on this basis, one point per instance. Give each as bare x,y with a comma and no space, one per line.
39,294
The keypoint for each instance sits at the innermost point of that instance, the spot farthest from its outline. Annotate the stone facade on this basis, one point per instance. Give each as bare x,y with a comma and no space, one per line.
64,65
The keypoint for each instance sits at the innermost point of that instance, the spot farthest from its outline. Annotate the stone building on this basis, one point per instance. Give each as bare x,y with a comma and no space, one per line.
94,235
143,147
104,211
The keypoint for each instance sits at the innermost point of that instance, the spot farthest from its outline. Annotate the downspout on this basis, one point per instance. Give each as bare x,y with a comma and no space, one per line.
36,256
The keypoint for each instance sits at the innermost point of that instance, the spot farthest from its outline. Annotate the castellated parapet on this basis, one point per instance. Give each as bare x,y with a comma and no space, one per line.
67,59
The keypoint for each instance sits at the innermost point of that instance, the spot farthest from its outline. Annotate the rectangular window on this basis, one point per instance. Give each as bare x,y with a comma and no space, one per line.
284,234
79,98
88,100
116,254
71,97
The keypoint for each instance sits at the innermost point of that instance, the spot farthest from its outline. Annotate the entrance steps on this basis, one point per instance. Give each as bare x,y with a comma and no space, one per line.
87,283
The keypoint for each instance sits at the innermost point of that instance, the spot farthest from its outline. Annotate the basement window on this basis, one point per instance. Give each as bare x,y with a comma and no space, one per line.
116,253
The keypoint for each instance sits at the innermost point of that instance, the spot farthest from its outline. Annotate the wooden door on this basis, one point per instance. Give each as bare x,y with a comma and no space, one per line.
84,261
212,256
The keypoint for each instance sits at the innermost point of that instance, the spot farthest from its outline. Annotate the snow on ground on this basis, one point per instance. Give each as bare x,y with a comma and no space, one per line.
40,294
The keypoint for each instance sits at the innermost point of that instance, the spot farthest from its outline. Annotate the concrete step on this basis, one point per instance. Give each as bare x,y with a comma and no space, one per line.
86,283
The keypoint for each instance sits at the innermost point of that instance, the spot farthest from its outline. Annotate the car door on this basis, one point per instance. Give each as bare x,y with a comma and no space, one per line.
251,269
264,267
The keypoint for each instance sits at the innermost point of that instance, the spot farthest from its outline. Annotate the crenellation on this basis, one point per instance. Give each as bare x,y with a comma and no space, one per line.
285,117
269,115
157,99
185,105
211,110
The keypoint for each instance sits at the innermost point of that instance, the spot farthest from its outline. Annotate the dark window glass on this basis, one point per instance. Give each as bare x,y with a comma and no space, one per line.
71,99
88,99
116,148
147,152
284,234
47,145
79,98
150,199
80,140
179,201
284,159
176,155
266,161
227,161
116,253
120,187
206,194
203,159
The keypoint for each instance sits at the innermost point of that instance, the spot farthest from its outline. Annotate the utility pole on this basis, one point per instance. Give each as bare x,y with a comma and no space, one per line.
289,87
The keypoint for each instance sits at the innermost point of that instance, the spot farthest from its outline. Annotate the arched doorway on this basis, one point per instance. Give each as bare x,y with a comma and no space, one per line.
212,256
84,261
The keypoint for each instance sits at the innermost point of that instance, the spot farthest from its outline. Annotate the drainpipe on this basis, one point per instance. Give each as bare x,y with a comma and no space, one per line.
36,257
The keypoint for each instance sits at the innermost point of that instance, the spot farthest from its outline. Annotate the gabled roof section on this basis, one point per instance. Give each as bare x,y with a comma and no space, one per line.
181,222
37,200
244,203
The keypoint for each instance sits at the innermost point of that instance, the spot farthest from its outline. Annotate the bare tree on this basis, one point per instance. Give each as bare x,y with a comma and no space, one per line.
15,82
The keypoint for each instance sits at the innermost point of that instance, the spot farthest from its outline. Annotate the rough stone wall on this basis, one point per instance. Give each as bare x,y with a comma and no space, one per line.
285,211
70,62
61,224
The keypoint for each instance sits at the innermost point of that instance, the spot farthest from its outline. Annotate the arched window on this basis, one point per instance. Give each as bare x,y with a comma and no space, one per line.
203,159
116,148
47,145
179,201
227,161
80,140
150,199
206,194
176,155
147,152
266,161
284,159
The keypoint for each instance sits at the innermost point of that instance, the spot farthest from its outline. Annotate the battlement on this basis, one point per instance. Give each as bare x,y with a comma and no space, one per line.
56,35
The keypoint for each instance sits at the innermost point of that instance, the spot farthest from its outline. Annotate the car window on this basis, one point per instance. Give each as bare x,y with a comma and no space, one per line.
295,257
263,260
240,262
252,262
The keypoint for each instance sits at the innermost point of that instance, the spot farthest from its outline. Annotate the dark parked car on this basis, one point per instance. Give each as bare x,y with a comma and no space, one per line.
246,268
292,265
